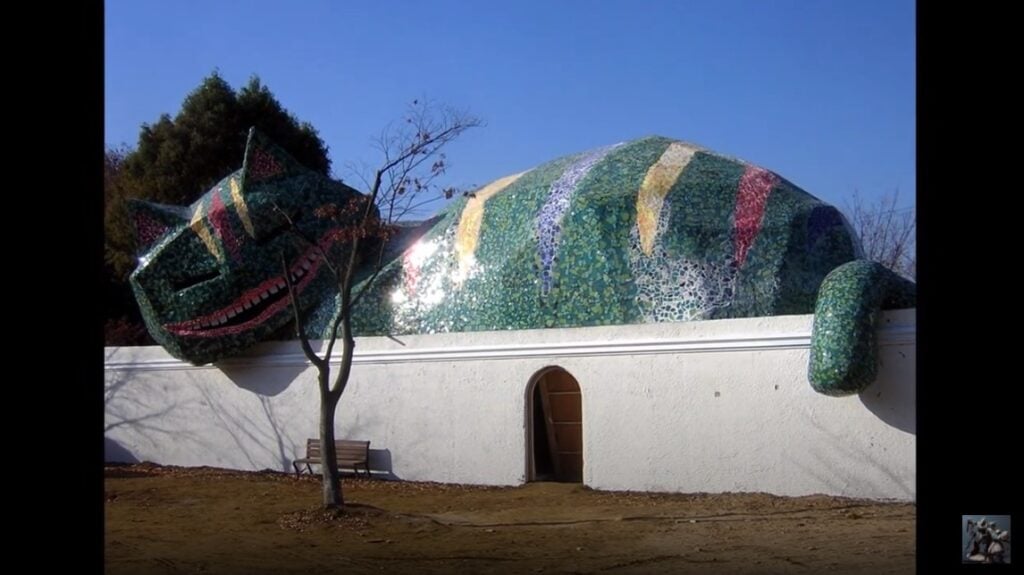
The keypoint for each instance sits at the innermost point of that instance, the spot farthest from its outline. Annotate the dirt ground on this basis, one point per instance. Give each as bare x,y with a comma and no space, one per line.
203,520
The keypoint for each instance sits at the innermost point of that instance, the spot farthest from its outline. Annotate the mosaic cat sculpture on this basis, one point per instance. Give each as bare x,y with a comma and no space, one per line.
653,230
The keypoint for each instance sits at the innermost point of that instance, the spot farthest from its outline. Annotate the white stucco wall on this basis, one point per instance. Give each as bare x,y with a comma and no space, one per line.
694,407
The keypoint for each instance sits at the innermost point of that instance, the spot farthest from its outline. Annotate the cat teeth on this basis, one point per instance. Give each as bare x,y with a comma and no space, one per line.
301,269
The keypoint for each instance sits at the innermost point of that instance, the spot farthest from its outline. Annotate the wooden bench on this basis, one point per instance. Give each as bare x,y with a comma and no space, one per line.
351,454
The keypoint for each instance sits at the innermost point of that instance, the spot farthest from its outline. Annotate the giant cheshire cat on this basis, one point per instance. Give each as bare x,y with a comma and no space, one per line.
651,230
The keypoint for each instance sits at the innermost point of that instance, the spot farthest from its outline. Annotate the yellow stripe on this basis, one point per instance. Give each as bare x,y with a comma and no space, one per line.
659,180
199,227
468,233
241,207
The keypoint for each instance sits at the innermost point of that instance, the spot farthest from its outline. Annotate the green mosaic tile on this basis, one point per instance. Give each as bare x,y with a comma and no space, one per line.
653,230
844,344
210,280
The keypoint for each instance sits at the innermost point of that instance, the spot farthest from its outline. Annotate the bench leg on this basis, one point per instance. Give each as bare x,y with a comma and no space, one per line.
298,468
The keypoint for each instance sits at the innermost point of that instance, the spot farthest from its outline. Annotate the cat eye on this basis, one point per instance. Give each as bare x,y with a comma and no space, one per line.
185,283
281,223
273,233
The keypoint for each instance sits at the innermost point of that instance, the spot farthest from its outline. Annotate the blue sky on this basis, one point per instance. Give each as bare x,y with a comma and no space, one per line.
822,93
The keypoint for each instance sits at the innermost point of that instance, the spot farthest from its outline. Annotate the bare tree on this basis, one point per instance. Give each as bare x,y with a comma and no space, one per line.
404,183
887,232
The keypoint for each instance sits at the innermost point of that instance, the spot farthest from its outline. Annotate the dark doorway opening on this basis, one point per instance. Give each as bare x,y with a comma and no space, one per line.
555,430
543,469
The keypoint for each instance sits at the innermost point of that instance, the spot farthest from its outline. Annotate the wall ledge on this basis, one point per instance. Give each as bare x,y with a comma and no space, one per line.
289,354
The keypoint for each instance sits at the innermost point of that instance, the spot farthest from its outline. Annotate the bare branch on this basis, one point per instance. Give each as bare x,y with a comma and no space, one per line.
295,231
887,232
376,271
293,296
413,158
405,181
333,335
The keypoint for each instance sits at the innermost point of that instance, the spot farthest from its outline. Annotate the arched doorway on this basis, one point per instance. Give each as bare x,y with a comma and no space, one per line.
554,430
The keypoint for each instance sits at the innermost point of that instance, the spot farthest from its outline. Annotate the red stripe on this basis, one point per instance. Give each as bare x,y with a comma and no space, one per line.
219,221
751,198
148,230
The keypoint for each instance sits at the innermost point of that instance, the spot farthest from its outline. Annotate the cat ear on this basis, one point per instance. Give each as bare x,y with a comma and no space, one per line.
153,221
266,161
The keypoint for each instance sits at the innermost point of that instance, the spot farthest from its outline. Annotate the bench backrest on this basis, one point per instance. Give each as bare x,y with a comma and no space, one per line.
346,449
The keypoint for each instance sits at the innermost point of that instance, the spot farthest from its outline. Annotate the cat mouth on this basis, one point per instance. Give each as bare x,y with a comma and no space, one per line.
256,305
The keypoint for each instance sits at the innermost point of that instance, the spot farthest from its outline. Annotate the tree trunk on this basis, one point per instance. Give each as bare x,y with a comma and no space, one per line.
329,397
333,498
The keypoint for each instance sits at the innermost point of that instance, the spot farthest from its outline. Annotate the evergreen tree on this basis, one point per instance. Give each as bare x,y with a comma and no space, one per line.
176,160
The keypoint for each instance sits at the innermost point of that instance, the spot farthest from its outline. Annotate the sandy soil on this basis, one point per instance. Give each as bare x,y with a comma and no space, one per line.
203,520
